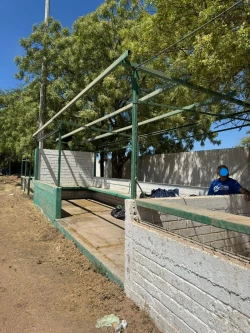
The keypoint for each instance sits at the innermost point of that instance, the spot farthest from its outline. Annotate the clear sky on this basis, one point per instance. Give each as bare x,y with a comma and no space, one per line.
17,19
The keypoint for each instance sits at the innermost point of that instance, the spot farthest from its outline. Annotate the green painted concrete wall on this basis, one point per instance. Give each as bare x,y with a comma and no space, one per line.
48,199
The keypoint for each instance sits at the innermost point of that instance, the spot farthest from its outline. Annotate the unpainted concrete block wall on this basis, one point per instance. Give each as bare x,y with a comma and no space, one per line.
184,287
77,168
218,238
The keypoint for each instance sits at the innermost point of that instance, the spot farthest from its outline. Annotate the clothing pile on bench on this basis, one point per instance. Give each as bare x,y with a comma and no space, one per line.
161,193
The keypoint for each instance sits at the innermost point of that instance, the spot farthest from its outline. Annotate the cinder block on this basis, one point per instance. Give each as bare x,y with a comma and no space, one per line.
203,230
190,232
219,244
168,218
191,224
212,237
174,225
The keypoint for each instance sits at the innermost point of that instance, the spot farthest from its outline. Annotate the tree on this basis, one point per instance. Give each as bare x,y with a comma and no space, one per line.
97,39
215,57
44,44
245,141
17,121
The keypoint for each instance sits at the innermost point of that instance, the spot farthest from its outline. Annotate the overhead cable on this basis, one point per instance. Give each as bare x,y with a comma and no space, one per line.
192,33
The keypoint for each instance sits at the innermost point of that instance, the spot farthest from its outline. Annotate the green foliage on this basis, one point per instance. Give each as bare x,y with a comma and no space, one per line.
15,129
245,141
216,58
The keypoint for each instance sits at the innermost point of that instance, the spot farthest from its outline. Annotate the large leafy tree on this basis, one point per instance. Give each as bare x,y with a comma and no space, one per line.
98,39
17,119
216,57
42,48
20,107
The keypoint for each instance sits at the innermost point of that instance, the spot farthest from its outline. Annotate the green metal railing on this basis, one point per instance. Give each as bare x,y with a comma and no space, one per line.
26,174
59,154
169,83
217,219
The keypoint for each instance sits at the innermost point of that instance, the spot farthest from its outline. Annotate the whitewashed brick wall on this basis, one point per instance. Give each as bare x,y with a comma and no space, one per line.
218,238
196,168
77,168
124,185
184,287
107,199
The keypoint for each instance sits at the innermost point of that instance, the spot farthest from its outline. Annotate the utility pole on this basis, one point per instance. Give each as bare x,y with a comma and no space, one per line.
43,86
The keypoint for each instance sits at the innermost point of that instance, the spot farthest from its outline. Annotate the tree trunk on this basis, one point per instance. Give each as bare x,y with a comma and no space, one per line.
9,167
102,161
118,160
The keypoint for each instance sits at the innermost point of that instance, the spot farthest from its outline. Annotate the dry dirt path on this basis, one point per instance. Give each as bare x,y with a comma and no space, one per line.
46,284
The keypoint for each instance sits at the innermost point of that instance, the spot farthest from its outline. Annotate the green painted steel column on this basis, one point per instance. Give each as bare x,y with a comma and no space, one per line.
94,164
134,155
29,179
25,173
25,169
59,154
36,163
21,174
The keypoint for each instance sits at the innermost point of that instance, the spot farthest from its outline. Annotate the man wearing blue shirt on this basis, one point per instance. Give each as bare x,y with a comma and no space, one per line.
225,185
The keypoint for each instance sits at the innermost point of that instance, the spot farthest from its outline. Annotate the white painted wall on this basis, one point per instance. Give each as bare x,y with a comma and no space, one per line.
195,169
123,185
184,287
77,168
218,238
226,240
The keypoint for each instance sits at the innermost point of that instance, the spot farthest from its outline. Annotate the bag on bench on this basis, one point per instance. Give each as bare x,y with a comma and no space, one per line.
118,212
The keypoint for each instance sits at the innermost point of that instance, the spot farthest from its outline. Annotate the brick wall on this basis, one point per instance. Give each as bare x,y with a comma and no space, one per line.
76,194
222,239
85,194
124,185
77,168
107,199
191,168
184,287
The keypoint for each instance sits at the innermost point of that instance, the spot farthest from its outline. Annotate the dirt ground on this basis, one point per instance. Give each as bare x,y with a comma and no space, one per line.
46,284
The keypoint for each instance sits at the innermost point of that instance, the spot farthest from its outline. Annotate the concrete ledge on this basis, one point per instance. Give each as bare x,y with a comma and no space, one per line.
109,192
76,188
218,219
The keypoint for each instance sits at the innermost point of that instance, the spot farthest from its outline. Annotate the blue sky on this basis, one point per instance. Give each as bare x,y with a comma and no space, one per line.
17,19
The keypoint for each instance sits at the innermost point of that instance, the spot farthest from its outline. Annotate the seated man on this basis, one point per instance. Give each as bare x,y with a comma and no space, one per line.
225,185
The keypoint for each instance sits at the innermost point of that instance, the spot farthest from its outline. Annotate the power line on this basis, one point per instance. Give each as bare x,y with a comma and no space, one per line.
192,33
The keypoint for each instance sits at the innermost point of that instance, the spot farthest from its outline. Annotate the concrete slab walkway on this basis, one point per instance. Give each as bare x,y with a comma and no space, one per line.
90,223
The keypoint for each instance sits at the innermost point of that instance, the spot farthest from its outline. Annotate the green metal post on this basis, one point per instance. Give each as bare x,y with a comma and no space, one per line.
21,174
25,169
59,154
36,163
134,155
94,164
29,178
25,173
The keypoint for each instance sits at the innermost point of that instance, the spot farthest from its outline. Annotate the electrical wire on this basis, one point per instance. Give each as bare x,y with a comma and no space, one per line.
47,135
191,33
